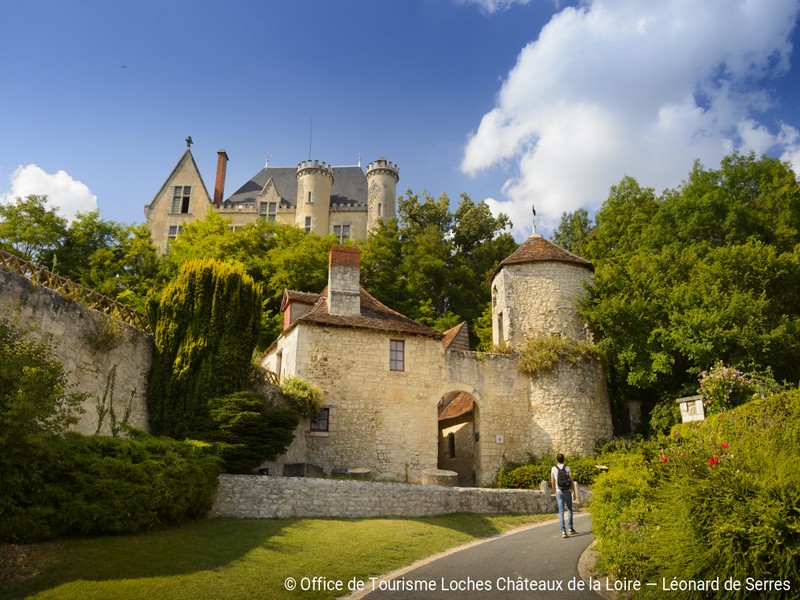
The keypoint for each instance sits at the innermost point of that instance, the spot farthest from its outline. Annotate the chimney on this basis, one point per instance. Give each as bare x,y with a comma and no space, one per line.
219,186
344,289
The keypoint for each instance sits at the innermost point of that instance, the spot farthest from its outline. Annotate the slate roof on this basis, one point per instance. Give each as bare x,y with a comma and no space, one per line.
349,189
294,296
536,249
374,315
457,337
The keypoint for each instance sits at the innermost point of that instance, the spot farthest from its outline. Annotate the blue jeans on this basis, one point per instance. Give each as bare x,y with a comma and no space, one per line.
563,498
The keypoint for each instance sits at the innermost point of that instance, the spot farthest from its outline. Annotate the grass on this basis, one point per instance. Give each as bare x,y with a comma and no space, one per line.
232,558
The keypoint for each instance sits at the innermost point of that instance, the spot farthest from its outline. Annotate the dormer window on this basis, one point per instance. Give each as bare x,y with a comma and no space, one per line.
180,199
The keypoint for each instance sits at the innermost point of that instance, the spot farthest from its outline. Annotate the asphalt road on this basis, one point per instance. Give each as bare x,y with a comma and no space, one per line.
533,563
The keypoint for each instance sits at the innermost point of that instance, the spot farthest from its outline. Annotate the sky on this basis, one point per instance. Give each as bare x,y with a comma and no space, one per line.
520,103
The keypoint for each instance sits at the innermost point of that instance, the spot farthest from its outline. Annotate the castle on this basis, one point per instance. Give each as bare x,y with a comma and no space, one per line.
401,398
315,196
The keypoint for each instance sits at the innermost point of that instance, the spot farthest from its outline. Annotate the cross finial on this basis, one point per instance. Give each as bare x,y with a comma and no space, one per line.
189,141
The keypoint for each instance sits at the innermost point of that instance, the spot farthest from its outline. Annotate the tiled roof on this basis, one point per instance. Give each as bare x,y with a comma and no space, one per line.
536,249
294,296
457,338
460,405
374,315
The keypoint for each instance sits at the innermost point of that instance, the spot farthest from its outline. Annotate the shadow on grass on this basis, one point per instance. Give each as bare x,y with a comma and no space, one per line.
357,547
195,546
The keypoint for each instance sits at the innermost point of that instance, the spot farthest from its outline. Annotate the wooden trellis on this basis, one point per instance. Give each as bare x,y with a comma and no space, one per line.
74,291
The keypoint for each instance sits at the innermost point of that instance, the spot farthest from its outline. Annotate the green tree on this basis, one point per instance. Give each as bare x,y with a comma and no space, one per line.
30,228
573,231
206,326
709,271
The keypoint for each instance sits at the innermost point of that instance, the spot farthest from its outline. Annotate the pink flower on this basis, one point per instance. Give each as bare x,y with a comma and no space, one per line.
724,446
713,461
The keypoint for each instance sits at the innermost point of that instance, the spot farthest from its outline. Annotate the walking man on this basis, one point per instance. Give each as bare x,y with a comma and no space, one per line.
561,482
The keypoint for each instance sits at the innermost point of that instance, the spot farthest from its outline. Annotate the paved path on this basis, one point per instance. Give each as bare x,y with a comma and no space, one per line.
511,566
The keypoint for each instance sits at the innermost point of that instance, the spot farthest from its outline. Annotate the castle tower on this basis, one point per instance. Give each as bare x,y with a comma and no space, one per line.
314,183
382,178
536,291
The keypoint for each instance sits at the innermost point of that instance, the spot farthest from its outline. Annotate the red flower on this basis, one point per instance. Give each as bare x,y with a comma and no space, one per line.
724,446
664,458
713,461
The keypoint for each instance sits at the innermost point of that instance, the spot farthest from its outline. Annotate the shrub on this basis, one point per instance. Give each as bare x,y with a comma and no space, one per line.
720,498
206,326
79,484
538,469
303,397
542,353
248,431
723,388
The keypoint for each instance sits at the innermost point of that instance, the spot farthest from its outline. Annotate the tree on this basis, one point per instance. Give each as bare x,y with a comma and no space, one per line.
573,231
707,272
206,326
30,229
432,263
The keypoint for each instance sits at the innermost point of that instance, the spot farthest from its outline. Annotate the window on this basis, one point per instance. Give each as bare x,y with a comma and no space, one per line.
494,296
501,336
379,209
174,230
309,198
267,211
180,199
308,225
451,445
397,359
342,232
320,422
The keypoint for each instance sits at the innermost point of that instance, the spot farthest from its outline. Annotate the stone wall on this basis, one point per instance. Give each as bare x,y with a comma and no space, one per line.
103,357
259,497
538,298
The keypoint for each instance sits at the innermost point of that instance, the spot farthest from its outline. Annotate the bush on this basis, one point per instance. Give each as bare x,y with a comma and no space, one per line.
303,397
542,353
719,498
248,431
79,484
538,469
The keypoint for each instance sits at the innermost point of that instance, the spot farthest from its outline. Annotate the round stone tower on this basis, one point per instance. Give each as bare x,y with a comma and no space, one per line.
536,290
382,178
314,183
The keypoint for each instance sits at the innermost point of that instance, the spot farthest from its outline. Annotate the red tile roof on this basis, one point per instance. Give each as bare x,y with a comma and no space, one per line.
460,405
374,315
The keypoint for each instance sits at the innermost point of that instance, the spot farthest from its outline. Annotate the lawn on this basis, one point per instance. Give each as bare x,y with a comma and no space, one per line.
231,558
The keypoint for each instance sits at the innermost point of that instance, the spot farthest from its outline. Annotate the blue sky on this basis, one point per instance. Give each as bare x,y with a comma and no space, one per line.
513,102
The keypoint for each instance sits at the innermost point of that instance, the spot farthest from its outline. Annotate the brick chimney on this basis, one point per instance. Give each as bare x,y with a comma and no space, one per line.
219,186
344,289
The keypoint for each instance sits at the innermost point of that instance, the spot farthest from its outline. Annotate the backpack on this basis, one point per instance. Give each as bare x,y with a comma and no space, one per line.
562,480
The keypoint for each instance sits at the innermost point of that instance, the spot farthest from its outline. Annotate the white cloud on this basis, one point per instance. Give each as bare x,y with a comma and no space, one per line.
69,195
492,6
633,87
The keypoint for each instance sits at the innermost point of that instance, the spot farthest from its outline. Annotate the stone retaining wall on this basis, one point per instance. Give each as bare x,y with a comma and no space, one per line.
263,497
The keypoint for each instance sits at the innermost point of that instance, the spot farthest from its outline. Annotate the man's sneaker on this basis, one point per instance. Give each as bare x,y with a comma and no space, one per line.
572,531
564,534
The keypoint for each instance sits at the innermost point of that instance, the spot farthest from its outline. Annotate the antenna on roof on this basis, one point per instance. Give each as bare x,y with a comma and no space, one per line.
266,159
310,134
359,158
533,208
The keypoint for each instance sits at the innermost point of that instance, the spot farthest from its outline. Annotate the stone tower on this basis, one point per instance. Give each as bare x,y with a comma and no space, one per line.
535,292
382,178
314,183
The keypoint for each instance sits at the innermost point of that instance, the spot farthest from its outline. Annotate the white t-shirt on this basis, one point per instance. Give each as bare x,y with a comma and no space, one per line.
554,475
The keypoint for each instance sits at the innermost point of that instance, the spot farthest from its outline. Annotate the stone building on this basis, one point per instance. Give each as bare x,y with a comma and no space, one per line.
401,398
315,196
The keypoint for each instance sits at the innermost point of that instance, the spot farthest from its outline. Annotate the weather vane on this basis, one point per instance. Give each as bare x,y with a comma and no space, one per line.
533,208
189,141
